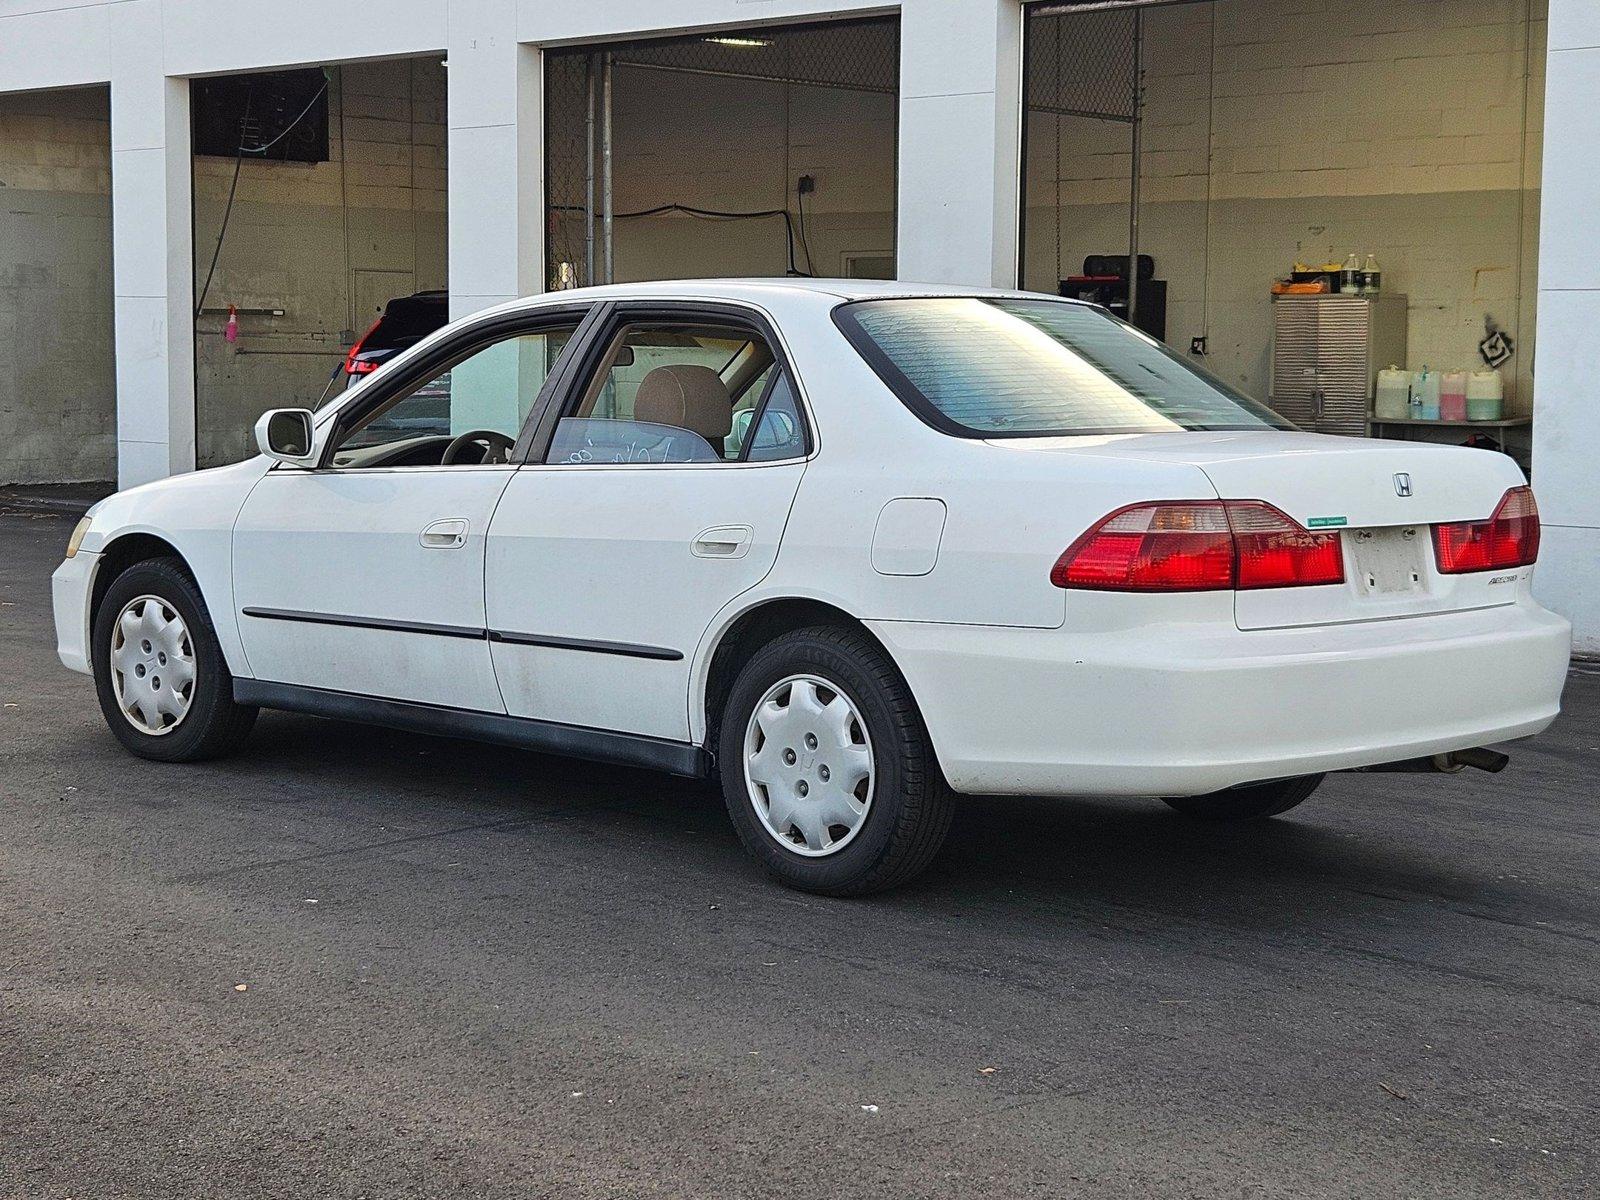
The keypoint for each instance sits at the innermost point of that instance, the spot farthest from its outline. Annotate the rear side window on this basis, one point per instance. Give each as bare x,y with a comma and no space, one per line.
681,392
780,433
1037,368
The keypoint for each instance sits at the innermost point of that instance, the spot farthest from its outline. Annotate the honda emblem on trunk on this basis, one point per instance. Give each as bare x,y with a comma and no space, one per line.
1402,484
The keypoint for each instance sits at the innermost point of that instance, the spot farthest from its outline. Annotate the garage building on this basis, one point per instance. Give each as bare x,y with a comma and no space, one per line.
204,205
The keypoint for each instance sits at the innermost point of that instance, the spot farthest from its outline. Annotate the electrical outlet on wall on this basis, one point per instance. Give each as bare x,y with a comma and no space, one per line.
806,184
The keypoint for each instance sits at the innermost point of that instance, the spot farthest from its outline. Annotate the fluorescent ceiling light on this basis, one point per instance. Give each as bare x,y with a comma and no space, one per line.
746,42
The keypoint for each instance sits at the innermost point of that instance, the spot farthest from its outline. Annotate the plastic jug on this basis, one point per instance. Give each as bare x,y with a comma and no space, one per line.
1371,277
1486,398
1350,275
1425,396
1453,396
1393,399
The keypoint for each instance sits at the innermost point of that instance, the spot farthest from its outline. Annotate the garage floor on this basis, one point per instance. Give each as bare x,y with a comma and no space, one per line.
471,971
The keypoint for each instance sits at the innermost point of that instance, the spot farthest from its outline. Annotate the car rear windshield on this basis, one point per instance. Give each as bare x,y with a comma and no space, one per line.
1004,367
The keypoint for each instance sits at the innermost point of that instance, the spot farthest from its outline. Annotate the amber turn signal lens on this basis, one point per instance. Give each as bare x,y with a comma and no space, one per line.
76,540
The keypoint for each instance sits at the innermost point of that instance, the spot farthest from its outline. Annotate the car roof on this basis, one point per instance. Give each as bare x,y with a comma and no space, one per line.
758,290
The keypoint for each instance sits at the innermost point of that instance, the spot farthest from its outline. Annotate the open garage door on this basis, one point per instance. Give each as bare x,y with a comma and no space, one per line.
319,198
57,376
1248,148
766,151
1084,125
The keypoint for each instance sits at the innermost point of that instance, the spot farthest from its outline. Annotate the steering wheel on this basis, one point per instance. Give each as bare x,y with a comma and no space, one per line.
496,446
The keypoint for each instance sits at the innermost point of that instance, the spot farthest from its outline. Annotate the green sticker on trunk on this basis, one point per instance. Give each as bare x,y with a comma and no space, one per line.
1324,522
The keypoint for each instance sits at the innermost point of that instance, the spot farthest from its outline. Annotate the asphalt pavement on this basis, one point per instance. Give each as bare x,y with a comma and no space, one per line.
351,962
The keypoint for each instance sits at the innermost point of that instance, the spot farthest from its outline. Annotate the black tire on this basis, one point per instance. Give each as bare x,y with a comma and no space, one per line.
1250,802
910,807
213,725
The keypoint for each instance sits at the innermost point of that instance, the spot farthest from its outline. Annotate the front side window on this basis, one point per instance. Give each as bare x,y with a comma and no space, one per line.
1008,367
469,413
681,392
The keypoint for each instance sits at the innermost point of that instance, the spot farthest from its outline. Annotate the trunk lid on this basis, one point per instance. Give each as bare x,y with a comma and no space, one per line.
1382,497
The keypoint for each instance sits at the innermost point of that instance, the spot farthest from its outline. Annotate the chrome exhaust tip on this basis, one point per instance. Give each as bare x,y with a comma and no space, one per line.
1478,757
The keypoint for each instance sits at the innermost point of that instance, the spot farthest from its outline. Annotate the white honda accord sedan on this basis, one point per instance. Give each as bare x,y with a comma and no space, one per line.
851,548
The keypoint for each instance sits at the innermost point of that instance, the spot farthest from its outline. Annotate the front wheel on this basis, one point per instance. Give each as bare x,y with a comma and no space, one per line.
1249,802
164,686
827,769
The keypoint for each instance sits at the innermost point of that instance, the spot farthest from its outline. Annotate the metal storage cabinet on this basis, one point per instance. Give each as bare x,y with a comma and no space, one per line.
1326,354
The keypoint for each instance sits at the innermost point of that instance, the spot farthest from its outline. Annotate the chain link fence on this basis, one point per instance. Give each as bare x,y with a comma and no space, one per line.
1081,83
1080,64
568,162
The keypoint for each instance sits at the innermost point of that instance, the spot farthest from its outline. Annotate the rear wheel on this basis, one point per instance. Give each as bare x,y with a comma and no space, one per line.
827,770
1246,803
164,687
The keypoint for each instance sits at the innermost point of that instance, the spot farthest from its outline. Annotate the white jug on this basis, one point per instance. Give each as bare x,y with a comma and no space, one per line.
1393,400
1425,396
1486,397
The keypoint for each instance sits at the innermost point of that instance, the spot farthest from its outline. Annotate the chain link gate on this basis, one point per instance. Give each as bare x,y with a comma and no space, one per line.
859,56
1084,62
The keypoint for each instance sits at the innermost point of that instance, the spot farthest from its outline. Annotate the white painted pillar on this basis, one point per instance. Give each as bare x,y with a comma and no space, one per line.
152,251
1566,424
960,141
495,115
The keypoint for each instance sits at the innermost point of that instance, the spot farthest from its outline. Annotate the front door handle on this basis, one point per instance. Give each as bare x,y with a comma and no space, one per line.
449,534
725,541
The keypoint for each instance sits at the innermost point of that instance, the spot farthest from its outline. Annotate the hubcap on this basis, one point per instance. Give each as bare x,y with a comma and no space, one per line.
152,665
808,765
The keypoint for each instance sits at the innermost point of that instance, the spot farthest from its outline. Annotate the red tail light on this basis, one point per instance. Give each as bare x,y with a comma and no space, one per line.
1509,538
1276,551
355,366
1152,548
1199,546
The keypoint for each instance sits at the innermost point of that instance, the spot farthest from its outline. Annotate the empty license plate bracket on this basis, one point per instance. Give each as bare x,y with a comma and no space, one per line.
1389,562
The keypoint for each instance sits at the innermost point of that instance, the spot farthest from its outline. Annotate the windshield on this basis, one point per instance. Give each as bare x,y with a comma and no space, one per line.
1008,367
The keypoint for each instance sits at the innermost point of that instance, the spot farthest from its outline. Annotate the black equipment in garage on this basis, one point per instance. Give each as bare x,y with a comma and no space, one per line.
280,115
1105,282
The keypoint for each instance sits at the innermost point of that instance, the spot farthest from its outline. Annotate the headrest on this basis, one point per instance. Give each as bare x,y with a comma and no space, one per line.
689,396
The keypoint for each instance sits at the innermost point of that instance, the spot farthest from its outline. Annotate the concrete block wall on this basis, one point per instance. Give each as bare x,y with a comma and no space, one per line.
1277,131
675,142
57,374
327,242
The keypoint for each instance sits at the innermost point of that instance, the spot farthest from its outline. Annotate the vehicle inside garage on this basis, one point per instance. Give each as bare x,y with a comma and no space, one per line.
767,151
57,378
319,197
1314,200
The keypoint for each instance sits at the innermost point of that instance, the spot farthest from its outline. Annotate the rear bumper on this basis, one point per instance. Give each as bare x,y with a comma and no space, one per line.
1180,709
70,589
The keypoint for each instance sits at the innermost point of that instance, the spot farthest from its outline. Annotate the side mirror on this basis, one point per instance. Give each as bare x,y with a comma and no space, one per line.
288,435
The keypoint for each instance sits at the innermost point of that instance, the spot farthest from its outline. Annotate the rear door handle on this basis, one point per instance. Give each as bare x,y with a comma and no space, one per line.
725,541
449,534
